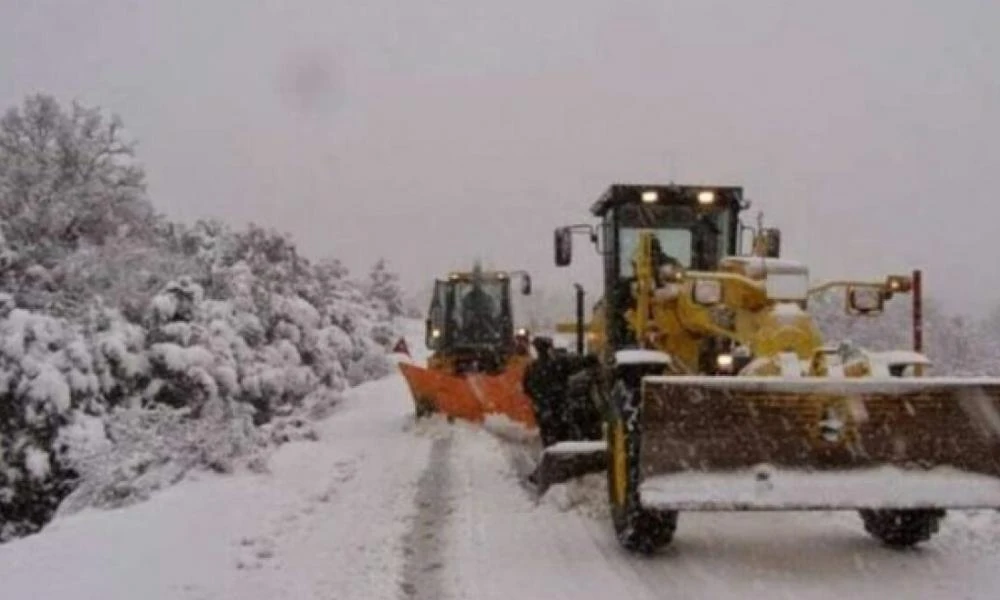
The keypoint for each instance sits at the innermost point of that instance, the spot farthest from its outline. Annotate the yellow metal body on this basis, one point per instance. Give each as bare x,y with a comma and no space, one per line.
669,319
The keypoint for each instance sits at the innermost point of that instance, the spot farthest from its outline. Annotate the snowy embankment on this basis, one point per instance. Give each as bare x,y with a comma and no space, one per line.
380,507
326,520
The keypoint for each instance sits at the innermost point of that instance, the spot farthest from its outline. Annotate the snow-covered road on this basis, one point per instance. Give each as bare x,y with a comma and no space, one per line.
381,507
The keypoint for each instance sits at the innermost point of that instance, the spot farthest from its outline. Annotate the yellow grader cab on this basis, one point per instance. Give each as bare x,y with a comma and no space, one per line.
717,392
478,359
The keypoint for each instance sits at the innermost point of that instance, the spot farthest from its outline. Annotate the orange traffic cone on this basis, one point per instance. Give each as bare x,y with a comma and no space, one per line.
401,348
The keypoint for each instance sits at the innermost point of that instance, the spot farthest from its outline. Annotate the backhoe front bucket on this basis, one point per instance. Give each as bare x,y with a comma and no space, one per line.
758,443
472,396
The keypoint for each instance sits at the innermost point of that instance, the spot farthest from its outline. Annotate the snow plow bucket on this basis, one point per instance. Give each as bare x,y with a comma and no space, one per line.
753,443
472,396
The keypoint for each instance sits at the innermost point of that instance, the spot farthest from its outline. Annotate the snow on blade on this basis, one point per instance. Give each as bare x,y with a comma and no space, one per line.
765,488
899,357
870,385
577,447
637,357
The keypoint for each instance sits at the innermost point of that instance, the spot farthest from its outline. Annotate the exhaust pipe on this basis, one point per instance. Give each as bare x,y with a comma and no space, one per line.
580,333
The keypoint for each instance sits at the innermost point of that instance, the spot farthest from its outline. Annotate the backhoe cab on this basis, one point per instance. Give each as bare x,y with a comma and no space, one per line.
470,321
705,384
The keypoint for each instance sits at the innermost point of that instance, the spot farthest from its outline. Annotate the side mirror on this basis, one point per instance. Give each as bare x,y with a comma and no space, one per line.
865,300
526,284
563,246
772,242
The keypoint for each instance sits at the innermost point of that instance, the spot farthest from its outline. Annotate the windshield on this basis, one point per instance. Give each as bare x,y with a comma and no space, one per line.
695,239
675,243
478,312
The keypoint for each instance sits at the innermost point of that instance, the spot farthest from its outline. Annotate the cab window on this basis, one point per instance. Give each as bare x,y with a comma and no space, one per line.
675,243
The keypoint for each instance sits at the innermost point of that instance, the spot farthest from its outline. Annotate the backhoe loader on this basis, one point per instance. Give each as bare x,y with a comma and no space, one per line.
715,391
478,358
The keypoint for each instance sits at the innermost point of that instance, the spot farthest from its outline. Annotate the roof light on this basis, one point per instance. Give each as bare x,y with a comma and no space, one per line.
650,196
706,197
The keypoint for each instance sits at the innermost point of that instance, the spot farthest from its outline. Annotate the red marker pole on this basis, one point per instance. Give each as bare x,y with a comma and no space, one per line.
918,317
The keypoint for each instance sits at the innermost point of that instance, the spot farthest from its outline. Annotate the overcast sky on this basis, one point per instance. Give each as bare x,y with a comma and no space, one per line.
433,133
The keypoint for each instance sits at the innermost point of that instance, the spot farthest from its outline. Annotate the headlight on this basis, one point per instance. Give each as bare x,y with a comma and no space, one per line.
706,197
435,333
707,291
522,332
650,196
865,299
899,283
724,362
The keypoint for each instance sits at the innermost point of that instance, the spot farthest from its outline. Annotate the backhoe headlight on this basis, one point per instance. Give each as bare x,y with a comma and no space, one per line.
707,291
899,283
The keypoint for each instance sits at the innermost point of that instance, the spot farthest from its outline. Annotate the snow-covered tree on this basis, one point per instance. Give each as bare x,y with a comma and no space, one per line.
384,286
67,176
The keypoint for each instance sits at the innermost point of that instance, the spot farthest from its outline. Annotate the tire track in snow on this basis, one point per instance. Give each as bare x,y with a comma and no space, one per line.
423,544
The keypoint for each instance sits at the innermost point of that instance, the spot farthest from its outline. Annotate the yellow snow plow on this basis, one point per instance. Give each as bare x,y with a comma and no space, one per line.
715,390
478,357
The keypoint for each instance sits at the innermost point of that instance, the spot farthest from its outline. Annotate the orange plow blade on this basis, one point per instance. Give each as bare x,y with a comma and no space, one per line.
471,397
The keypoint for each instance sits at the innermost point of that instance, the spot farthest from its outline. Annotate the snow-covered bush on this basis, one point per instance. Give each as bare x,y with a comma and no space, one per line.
145,450
46,381
121,361
369,327
134,350
287,357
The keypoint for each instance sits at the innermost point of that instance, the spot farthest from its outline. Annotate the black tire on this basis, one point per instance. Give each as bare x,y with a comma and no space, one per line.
583,419
638,529
902,528
559,390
